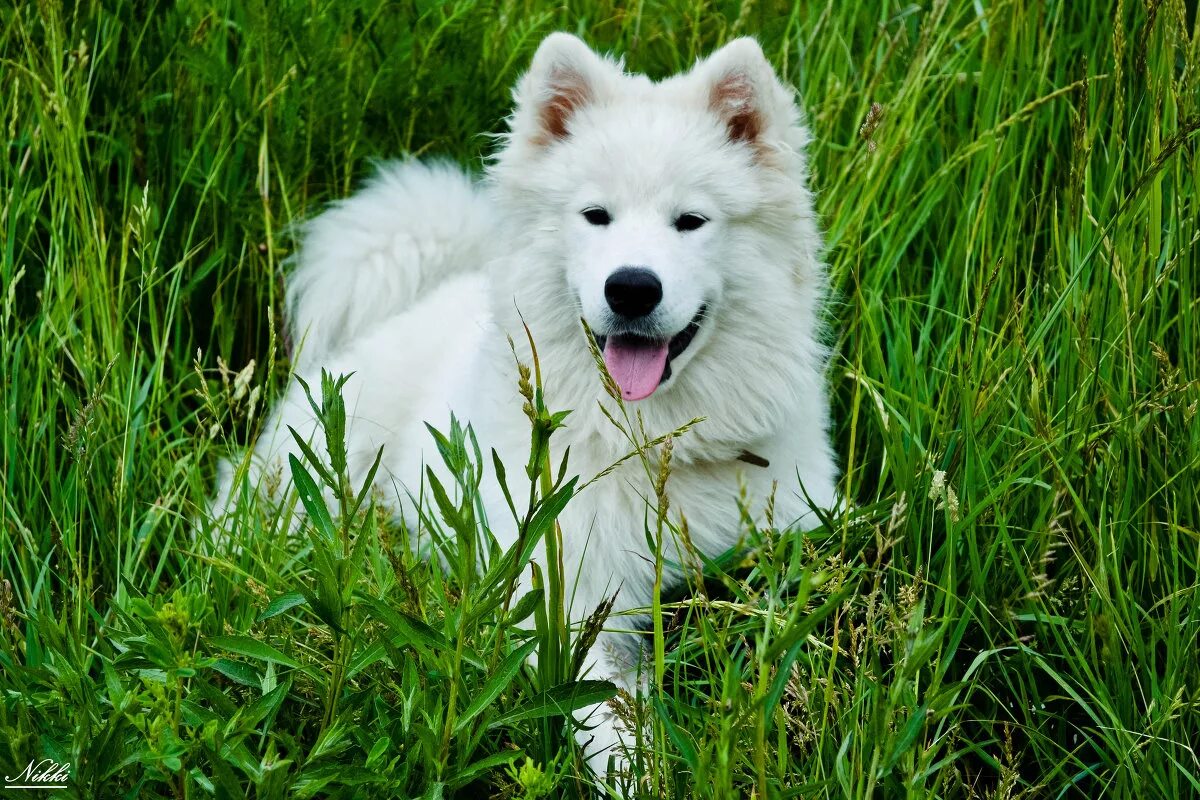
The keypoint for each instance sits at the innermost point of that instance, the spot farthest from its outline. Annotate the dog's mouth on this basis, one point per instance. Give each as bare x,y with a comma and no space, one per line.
640,364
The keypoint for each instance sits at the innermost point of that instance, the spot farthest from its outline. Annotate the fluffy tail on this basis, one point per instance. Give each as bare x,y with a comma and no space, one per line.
375,253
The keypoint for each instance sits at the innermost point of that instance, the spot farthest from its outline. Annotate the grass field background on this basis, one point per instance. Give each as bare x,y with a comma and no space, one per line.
1012,609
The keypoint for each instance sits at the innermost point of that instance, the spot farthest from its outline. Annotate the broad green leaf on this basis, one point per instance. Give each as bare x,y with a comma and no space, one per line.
381,746
496,684
238,672
445,506
252,648
326,613
368,483
502,480
681,740
365,658
543,519
410,629
911,730
560,700
311,498
268,704
486,764
525,606
285,602
313,459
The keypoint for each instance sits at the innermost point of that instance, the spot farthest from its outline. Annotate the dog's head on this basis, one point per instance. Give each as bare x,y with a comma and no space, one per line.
672,216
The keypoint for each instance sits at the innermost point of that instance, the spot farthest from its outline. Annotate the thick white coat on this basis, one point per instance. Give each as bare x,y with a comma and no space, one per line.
415,283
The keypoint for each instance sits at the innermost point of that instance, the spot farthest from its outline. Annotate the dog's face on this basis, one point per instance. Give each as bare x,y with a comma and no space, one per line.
644,245
662,205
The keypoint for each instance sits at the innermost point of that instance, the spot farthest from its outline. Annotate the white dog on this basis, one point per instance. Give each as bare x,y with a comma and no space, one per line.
675,219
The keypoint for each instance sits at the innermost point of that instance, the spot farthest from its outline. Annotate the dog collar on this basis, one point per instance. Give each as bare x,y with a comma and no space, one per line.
752,458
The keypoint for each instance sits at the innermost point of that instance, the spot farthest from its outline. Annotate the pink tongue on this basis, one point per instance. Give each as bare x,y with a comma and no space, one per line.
636,365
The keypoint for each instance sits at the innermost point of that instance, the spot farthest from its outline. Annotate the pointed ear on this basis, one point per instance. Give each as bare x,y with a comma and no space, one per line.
741,88
565,76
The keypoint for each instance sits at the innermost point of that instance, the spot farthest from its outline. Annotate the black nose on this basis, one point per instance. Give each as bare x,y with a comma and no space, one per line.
633,292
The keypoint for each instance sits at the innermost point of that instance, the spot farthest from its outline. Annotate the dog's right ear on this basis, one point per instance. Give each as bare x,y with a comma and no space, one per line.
565,76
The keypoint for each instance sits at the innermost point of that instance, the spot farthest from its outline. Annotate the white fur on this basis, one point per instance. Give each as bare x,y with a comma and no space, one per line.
412,226
413,284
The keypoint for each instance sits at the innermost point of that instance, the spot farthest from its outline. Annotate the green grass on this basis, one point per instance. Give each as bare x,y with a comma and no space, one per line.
1013,242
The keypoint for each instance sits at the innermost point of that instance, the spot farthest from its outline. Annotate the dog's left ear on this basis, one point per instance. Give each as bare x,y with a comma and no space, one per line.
741,88
565,77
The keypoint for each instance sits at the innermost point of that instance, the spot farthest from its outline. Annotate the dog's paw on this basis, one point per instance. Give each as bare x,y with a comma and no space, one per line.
606,741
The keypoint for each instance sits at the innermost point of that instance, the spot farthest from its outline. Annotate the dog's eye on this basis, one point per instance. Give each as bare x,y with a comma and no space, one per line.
596,215
689,222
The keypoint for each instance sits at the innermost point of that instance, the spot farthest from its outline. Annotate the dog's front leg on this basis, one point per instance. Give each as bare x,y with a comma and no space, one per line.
606,731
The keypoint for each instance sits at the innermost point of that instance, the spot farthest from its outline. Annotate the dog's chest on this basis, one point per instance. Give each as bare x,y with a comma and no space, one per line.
623,506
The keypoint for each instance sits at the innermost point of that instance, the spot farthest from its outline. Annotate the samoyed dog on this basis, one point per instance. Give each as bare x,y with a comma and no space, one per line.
675,219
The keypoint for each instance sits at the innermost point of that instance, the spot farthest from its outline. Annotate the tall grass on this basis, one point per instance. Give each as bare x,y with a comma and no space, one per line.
1010,609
